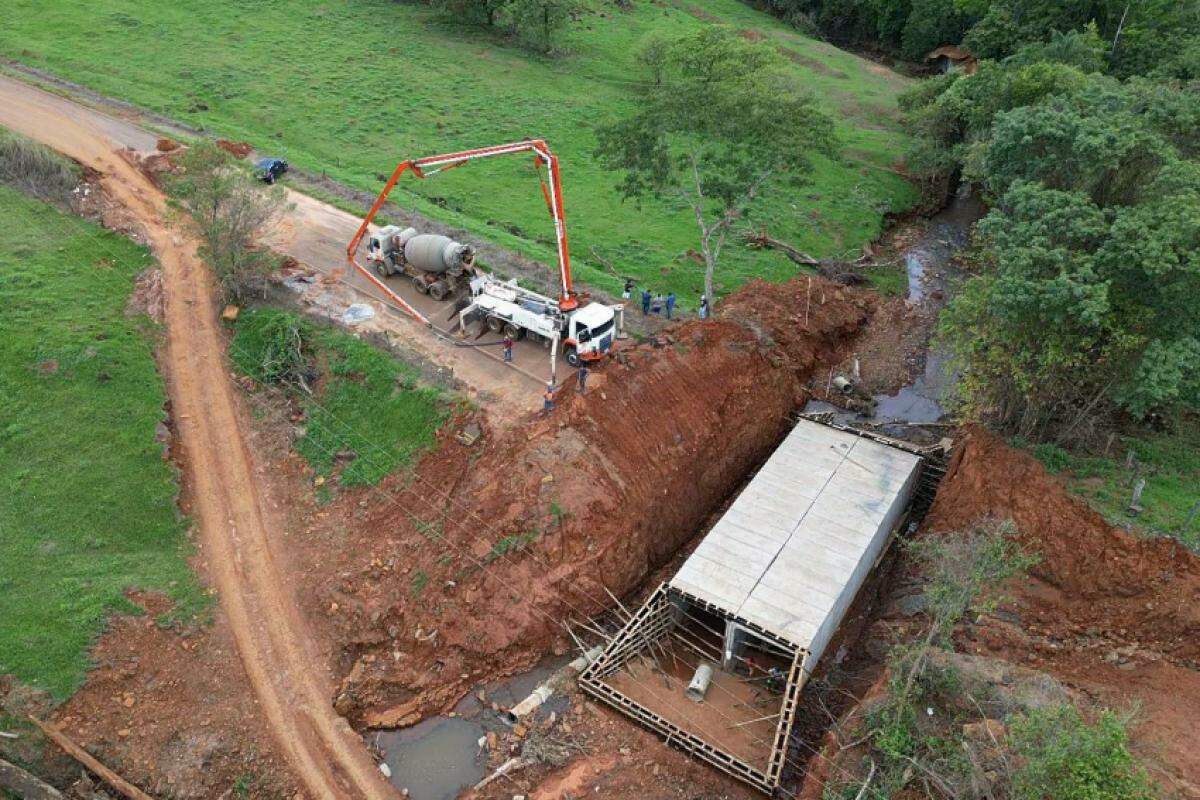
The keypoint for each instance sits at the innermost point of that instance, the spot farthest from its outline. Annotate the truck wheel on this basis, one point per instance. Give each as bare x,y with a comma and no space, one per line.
513,332
495,324
572,357
420,285
438,290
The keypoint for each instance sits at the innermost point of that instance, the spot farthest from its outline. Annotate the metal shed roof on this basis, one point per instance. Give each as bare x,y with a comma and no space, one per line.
793,550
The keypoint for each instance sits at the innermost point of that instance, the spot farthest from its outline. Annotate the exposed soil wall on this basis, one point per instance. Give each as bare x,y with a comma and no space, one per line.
1097,576
595,496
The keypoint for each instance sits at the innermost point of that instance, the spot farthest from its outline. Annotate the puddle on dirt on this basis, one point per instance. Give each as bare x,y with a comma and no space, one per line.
931,278
438,758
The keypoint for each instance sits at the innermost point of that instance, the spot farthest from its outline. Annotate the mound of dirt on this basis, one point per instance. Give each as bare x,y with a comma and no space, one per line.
166,144
1096,576
239,149
560,509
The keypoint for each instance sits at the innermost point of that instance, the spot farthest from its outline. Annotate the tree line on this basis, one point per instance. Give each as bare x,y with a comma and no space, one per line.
1141,35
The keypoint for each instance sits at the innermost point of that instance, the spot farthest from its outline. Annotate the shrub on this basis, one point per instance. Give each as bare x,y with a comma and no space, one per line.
1064,757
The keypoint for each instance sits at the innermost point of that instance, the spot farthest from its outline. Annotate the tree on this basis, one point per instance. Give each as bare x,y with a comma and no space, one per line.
718,122
228,209
538,24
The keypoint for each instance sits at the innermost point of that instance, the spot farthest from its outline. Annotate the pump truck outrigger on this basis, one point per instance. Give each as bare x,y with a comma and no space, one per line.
440,267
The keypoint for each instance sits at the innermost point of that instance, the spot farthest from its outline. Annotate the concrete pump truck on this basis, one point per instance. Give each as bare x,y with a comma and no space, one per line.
580,329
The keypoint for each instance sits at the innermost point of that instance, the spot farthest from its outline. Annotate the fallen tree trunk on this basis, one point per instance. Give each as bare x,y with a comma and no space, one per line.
838,271
86,759
25,784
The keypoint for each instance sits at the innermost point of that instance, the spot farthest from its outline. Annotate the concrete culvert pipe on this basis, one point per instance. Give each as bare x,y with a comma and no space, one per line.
552,684
699,685
432,252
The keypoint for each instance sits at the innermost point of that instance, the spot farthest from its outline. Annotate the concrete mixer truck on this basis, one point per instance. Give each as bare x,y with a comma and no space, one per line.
437,265
572,325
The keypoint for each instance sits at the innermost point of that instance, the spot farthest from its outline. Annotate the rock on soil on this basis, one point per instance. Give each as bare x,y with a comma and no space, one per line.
167,708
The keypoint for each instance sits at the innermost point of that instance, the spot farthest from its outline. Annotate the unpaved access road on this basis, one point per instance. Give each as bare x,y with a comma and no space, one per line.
238,523
315,234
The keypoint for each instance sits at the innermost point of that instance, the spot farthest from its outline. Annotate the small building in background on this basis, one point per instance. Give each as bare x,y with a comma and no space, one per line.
952,58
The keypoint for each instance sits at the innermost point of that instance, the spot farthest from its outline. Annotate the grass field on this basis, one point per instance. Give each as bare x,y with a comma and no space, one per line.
351,87
89,503
368,415
1170,463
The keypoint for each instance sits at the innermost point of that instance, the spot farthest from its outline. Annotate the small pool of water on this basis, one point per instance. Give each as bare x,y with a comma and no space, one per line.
438,758
435,759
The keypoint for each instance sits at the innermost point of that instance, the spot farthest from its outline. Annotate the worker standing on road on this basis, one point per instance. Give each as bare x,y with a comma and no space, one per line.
583,376
656,307
703,307
670,304
627,292
645,302
548,400
508,345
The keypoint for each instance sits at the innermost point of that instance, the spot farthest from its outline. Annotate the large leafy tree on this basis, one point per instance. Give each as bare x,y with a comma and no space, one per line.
1091,254
718,120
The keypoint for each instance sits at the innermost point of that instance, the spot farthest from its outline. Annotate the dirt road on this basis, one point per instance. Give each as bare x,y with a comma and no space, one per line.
315,234
238,524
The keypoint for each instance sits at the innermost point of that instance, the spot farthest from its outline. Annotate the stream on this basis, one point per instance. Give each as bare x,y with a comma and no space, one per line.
932,276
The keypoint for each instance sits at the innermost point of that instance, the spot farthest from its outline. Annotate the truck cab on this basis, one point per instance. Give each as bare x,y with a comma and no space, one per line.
591,333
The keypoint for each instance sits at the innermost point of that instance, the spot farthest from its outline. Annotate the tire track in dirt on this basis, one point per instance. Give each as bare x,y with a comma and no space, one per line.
235,517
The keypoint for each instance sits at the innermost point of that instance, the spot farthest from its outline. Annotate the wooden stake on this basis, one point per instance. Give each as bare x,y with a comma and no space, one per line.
86,759
807,301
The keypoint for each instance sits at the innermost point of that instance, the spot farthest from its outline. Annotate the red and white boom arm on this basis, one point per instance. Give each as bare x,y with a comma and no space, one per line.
431,165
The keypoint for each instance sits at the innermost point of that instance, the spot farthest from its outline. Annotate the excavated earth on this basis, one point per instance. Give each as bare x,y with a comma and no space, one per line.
1113,618
467,569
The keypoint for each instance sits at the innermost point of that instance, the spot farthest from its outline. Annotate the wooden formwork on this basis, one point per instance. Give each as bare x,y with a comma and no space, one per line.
653,621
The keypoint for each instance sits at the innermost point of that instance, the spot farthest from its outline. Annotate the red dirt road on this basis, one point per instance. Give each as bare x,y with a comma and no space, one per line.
237,521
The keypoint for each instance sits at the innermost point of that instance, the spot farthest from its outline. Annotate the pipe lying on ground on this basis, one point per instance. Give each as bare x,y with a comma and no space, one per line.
699,685
553,684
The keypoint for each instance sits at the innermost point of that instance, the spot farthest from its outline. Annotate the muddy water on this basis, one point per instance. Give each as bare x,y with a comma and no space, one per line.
932,277
440,757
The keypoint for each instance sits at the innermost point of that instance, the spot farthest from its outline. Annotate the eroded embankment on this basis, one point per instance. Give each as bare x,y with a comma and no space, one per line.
437,591
1112,617
1098,576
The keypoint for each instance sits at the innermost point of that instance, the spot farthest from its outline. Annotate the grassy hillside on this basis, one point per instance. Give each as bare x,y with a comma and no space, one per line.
89,503
1170,463
351,87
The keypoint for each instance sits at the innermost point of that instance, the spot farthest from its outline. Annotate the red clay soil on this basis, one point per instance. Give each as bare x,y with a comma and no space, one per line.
1109,614
490,548
1113,617
1095,575
168,709
239,149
